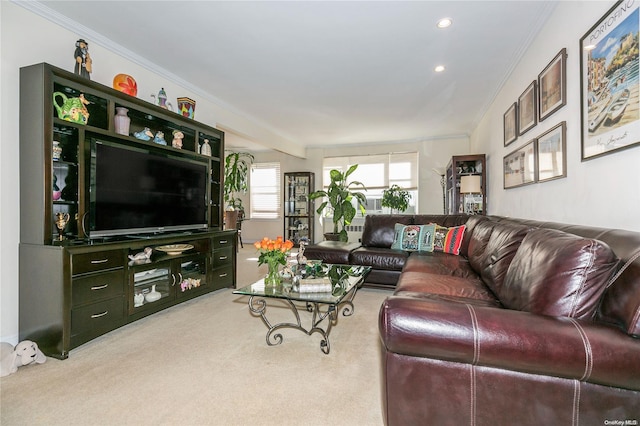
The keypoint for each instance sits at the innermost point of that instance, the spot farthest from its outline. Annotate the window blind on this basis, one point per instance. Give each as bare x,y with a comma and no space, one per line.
265,191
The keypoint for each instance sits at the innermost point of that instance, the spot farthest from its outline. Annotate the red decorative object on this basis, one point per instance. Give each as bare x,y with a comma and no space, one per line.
125,84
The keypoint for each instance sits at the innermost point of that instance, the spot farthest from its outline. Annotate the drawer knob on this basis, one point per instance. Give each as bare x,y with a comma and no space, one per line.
95,262
223,241
99,287
99,315
223,275
223,258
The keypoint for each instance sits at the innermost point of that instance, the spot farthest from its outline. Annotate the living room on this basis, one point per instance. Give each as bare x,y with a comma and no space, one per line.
602,192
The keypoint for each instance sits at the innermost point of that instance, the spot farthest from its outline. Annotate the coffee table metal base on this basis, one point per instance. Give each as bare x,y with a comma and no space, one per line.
258,305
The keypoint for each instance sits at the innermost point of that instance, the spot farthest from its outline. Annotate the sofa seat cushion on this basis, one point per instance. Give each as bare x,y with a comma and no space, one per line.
558,274
331,251
379,258
446,285
439,263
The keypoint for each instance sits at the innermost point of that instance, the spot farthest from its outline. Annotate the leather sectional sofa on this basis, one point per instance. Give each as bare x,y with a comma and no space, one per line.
533,323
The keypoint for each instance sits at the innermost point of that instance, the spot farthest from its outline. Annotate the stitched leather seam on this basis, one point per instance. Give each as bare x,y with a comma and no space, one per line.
587,348
625,266
476,334
472,408
575,418
576,296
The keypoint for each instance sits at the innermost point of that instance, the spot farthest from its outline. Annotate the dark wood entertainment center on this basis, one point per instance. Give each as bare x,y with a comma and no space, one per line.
78,288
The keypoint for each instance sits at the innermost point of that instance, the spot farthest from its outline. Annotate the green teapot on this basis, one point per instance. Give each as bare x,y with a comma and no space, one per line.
72,109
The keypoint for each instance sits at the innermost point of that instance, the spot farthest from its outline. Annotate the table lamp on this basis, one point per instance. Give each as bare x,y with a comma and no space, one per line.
470,185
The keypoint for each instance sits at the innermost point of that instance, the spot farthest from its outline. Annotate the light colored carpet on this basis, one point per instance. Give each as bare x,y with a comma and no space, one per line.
206,362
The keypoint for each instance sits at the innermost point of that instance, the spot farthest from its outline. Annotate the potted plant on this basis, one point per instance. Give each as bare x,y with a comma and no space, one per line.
340,195
395,198
236,180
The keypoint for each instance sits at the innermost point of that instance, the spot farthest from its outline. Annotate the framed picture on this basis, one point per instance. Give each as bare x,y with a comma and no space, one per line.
510,121
552,153
609,83
520,166
527,109
552,86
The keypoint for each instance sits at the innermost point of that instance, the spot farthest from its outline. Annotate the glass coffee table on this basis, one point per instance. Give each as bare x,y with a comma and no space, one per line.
345,281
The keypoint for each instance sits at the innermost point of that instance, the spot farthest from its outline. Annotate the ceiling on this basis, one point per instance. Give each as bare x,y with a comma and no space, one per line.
329,72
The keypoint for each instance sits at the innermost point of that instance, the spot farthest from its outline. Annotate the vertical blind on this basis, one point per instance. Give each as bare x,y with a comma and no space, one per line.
265,191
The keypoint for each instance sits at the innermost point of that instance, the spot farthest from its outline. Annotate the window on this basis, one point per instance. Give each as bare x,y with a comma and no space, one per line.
265,191
377,173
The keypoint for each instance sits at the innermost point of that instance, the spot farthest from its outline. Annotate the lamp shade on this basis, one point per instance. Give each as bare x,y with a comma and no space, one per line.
470,184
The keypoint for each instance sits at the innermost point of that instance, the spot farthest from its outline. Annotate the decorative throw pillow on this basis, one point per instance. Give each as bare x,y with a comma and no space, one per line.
448,240
413,237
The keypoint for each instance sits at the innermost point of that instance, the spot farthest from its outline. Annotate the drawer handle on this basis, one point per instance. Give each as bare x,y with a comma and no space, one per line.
95,262
99,315
223,258
223,275
223,241
99,287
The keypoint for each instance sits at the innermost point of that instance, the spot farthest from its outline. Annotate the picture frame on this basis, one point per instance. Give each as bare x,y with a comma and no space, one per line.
520,166
527,109
609,85
552,86
510,124
551,153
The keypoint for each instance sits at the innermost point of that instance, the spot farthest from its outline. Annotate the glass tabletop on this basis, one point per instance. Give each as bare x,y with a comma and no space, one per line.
343,279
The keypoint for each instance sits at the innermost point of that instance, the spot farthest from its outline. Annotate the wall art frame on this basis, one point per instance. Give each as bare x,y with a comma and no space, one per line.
520,166
527,108
510,124
552,86
551,153
609,85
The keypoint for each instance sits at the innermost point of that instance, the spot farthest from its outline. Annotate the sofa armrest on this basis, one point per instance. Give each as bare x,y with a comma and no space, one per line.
510,340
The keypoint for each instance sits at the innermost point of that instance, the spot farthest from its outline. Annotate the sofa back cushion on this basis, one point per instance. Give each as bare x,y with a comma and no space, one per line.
499,252
477,247
379,229
558,274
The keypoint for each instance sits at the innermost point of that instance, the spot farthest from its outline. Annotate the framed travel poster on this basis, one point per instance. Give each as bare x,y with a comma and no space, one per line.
552,86
527,109
510,123
610,106
520,166
552,153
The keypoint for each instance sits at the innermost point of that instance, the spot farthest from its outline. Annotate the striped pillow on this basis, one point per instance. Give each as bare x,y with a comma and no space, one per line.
449,240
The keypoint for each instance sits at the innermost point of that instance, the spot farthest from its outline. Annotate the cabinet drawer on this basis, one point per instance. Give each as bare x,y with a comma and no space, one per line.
97,287
97,261
222,277
223,241
98,318
223,257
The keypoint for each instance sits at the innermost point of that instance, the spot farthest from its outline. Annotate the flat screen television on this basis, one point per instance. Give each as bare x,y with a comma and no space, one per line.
138,190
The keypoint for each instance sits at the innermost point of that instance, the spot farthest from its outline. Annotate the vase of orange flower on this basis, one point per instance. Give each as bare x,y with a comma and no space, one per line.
274,253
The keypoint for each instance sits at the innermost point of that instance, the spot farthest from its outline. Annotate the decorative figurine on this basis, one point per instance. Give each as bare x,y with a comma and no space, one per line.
162,100
83,59
159,138
302,260
177,139
61,222
144,135
72,109
143,256
205,149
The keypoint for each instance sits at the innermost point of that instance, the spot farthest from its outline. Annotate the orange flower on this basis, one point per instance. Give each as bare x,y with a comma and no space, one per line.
273,250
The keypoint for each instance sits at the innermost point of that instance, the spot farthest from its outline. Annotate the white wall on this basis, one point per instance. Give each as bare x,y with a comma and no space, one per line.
599,192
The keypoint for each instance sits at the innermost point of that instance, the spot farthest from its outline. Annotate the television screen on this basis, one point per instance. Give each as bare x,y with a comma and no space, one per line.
138,190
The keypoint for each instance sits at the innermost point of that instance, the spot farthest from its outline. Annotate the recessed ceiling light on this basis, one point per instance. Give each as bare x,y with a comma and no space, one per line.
439,68
444,22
